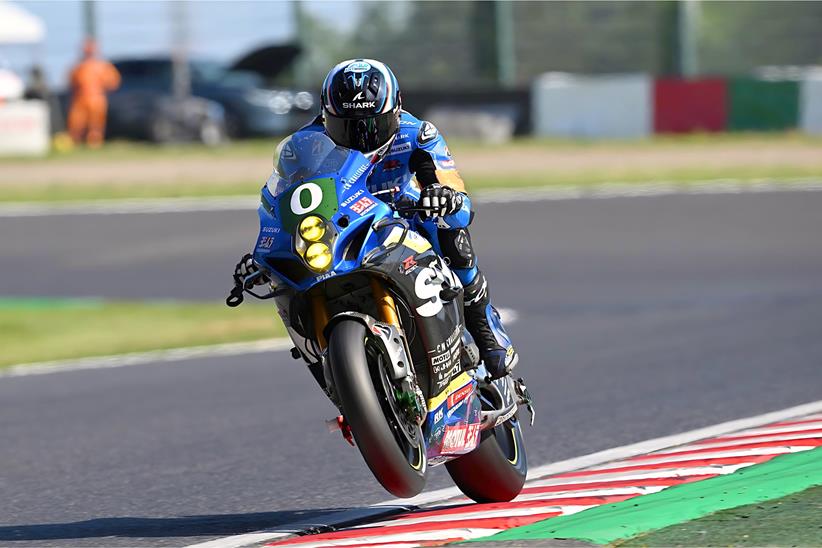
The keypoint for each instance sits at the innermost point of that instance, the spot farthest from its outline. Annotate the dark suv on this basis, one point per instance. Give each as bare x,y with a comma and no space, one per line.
248,107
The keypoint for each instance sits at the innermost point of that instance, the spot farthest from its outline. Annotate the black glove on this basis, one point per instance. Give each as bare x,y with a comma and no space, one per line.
439,201
245,268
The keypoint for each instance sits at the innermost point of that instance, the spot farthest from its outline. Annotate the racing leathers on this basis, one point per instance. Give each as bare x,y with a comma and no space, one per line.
418,168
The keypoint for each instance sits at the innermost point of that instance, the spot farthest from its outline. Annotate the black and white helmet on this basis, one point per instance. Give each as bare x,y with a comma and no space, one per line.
361,105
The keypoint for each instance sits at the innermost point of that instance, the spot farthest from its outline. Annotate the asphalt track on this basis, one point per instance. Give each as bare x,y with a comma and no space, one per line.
638,317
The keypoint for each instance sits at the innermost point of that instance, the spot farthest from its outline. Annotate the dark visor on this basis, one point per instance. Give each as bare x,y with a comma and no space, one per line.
363,134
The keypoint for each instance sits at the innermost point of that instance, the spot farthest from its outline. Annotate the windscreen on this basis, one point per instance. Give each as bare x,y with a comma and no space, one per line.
308,154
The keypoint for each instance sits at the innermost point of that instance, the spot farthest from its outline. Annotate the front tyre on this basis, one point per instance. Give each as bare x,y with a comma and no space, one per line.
384,438
495,471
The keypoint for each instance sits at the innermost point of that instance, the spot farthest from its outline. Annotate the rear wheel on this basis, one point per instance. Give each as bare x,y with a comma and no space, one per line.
495,471
391,444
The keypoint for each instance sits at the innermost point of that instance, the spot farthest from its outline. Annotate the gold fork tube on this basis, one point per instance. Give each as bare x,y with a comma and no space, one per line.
320,313
385,303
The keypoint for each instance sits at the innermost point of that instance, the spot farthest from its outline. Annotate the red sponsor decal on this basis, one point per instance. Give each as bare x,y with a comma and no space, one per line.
389,165
408,264
460,438
459,395
362,205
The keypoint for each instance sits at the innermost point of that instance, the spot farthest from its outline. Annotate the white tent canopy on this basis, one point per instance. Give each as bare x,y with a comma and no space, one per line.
18,26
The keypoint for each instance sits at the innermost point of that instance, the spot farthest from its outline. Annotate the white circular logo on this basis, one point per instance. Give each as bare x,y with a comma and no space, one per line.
316,196
358,66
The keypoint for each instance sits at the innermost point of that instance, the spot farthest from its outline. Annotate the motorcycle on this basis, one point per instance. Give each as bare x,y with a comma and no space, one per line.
377,315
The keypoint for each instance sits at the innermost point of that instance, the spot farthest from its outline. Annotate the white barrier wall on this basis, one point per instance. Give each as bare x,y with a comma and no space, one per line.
24,128
810,106
612,106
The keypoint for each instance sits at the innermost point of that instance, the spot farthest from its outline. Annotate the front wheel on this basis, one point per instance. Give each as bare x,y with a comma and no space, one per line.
392,447
495,471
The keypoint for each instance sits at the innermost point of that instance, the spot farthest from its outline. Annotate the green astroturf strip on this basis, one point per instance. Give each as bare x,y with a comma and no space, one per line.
776,478
793,520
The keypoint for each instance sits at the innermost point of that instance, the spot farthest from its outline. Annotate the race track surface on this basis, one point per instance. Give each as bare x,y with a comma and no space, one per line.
637,318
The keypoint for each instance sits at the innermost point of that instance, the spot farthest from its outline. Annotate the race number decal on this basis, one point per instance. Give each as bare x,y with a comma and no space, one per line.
429,283
315,194
315,197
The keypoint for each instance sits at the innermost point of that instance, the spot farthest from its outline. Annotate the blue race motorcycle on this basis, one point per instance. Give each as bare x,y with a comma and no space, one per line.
377,315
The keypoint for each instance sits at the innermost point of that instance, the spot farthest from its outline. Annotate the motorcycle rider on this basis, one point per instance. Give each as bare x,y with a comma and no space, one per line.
362,110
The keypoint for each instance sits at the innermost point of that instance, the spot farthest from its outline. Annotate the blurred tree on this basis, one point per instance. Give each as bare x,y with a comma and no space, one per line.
439,44
740,36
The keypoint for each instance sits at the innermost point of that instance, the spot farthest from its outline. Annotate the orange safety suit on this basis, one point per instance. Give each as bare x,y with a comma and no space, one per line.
90,80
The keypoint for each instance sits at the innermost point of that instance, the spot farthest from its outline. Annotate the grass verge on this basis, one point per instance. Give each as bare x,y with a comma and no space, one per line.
66,193
141,170
33,330
793,520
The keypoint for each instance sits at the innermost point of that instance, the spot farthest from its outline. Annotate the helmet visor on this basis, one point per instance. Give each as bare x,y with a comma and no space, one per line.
363,134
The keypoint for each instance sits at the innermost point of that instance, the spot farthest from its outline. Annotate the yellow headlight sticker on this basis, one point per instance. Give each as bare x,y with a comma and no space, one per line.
312,228
318,256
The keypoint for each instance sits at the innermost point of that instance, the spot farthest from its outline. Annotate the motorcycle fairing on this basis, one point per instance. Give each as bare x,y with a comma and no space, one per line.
453,423
369,238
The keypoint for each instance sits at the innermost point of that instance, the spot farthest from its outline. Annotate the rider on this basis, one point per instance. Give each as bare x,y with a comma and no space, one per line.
362,110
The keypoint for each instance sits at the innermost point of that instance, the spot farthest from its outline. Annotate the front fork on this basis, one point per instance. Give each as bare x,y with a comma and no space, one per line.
386,309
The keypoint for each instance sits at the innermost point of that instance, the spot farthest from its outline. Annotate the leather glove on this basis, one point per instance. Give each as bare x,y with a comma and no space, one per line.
245,268
439,201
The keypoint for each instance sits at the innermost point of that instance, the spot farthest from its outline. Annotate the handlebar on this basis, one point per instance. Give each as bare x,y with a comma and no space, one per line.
244,285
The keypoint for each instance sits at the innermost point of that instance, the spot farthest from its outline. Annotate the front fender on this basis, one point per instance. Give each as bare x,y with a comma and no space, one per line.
388,336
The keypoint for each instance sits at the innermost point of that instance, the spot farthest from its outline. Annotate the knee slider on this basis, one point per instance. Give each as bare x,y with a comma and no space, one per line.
456,246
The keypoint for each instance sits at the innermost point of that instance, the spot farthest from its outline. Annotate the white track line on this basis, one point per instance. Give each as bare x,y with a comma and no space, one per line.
133,206
730,444
413,537
674,459
777,430
569,465
672,473
140,358
502,513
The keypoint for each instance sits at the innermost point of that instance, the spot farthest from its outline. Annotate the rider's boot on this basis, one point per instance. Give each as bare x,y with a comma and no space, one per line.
483,322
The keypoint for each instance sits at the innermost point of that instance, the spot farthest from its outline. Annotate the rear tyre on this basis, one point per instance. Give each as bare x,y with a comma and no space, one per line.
495,471
385,440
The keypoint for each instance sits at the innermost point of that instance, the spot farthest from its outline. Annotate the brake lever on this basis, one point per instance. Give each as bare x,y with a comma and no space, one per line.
235,298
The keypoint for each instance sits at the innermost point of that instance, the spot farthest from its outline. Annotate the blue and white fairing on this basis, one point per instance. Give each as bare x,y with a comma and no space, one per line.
314,176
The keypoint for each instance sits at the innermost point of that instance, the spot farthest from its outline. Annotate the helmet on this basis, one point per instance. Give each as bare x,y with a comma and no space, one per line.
361,105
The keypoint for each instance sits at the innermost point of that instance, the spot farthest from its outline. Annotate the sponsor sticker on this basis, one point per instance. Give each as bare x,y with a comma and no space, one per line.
459,395
354,177
363,205
447,164
460,438
351,198
400,148
271,230
358,66
408,265
265,242
427,133
390,165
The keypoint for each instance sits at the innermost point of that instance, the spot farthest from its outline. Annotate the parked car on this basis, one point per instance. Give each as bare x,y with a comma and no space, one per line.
249,108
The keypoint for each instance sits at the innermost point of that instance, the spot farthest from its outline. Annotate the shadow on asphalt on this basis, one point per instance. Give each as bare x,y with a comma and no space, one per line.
182,526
